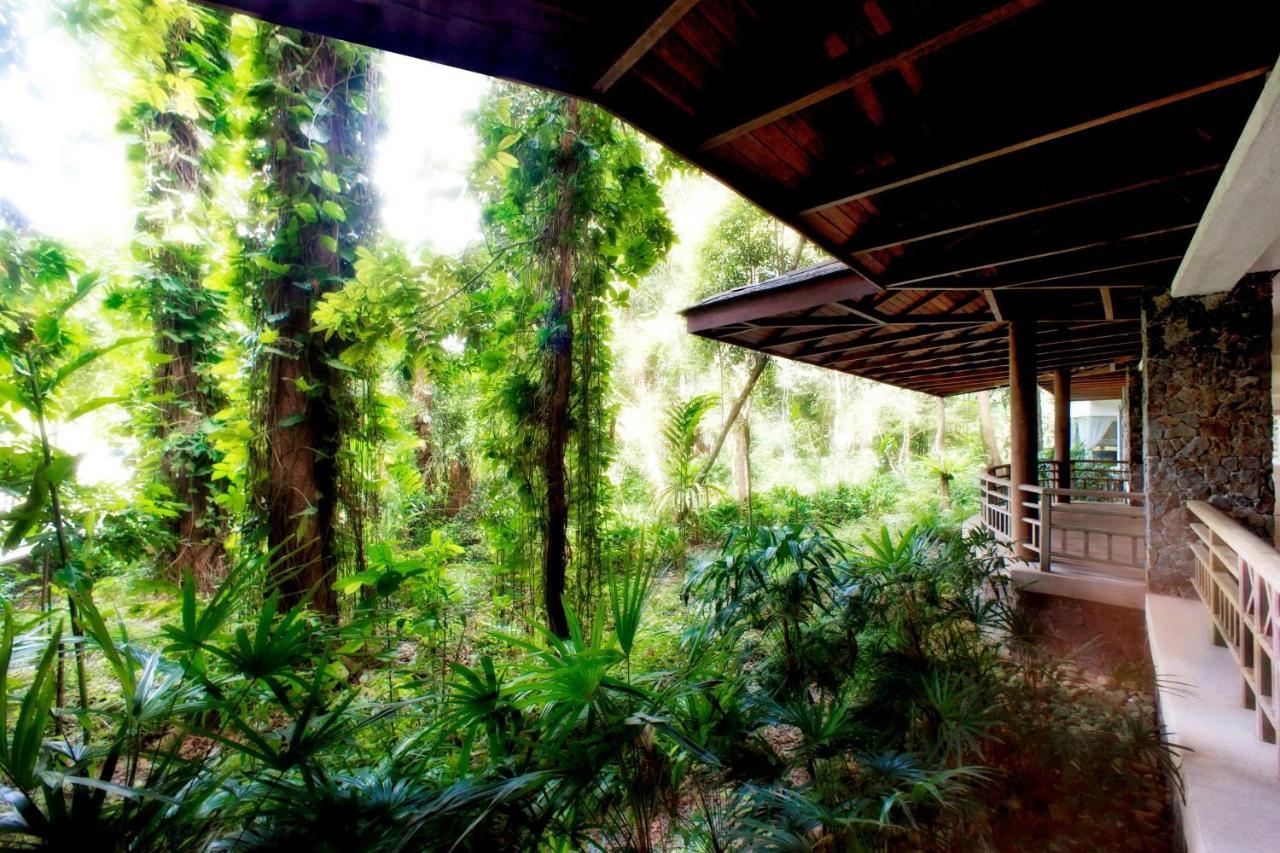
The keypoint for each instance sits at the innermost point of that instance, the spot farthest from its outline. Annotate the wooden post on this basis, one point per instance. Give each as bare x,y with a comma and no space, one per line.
1046,532
1024,427
1062,427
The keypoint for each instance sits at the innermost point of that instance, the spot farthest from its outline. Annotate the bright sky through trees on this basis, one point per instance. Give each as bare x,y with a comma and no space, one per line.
63,165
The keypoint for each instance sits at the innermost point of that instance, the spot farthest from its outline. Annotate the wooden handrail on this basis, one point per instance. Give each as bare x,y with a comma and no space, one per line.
1237,577
1258,552
1084,493
1094,527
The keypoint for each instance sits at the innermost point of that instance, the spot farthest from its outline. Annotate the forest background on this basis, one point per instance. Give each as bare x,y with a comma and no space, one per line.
361,488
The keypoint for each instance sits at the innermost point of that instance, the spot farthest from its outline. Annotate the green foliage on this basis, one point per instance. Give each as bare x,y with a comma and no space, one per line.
616,229
685,490
800,688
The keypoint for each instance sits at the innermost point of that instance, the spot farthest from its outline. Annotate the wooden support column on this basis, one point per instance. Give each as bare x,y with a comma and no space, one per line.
1024,427
1062,426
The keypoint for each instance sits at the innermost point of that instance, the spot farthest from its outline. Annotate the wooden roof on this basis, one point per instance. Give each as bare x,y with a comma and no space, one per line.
936,341
1051,155
1099,383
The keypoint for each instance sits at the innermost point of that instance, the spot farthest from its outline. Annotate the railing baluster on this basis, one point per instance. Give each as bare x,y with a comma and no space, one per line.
1242,606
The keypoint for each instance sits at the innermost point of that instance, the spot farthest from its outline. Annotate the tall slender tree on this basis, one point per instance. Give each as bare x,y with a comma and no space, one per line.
314,100
176,101
575,212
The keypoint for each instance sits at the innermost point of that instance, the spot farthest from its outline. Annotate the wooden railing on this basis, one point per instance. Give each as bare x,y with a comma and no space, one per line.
1238,577
1097,475
1096,528
994,492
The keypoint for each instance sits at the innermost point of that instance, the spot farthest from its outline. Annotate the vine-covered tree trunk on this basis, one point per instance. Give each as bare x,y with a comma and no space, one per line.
559,379
171,252
316,137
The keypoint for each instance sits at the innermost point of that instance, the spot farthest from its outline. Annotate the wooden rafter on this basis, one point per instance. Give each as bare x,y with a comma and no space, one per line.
903,57
913,279
854,247
991,377
993,357
872,187
1033,283
982,344
643,44
842,353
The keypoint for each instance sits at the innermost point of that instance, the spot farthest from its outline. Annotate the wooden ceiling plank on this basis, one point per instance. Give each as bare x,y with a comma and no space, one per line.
644,43
1091,271
1108,309
1048,342
914,279
867,340
997,375
852,248
870,189
1068,335
843,353
903,57
994,357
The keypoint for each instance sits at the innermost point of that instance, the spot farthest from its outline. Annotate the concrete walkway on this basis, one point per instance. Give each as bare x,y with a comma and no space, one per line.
1232,778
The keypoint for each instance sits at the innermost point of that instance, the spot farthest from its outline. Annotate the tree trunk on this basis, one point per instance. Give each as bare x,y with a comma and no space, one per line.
742,462
559,380
904,452
304,393
757,368
423,393
988,429
185,318
940,450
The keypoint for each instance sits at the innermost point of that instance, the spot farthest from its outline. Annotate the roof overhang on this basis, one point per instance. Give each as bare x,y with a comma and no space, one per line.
938,342
962,158
1240,230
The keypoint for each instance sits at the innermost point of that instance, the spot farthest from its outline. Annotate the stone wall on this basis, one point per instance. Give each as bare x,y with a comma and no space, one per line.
1206,418
1131,411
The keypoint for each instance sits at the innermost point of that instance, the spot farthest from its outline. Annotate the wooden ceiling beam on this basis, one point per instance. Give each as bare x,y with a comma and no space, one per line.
921,275
863,341
1048,343
1059,281
974,319
885,347
901,57
976,380
1050,286
992,357
1067,333
837,355
855,323
877,184
968,383
854,246
643,44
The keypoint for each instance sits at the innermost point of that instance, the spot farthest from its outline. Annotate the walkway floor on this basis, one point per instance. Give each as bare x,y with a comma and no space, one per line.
1232,778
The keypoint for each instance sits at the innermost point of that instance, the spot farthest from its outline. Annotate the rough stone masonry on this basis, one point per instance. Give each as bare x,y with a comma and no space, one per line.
1206,418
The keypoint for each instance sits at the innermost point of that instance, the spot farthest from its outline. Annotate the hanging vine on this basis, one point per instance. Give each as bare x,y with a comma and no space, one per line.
176,113
570,187
312,102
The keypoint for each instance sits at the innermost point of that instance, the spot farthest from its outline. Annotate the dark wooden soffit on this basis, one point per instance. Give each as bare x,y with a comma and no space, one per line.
940,144
939,342
1105,383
